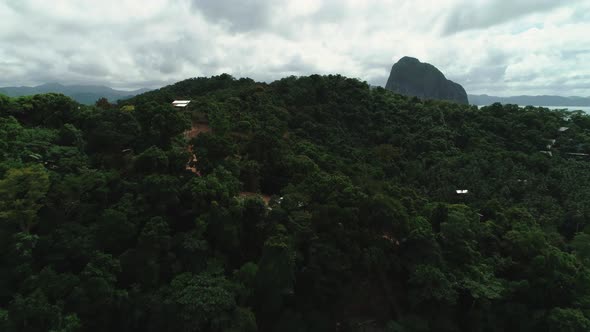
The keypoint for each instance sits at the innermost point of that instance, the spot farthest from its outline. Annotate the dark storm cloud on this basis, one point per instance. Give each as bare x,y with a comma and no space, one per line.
470,15
239,16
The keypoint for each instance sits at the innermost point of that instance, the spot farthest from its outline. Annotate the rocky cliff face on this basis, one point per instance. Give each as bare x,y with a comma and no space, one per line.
411,77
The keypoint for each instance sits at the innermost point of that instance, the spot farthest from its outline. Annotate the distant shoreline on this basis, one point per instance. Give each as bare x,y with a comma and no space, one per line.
585,109
559,101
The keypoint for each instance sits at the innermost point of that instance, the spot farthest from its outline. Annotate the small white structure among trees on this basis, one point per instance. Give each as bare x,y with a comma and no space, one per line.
180,103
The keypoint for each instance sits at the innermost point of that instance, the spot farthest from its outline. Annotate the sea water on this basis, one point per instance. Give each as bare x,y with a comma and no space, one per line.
585,109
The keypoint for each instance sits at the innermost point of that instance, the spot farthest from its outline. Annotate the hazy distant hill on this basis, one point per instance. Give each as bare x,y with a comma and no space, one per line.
85,94
411,77
530,100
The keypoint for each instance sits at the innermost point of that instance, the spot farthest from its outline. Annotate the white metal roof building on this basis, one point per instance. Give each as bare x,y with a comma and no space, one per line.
180,103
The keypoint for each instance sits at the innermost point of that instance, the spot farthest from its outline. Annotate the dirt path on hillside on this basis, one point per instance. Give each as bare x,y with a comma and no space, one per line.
265,198
196,129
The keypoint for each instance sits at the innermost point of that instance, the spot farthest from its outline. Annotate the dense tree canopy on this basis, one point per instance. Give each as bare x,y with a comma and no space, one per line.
109,223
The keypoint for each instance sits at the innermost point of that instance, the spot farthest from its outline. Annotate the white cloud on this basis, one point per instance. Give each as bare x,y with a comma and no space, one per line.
489,46
478,14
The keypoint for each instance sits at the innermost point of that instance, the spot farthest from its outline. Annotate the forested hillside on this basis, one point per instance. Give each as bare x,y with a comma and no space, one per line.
104,226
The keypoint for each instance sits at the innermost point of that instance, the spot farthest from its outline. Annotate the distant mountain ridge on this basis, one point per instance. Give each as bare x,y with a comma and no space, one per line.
544,100
84,94
411,77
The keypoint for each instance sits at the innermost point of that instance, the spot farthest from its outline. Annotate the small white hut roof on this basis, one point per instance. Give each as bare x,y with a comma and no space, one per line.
563,128
180,103
462,191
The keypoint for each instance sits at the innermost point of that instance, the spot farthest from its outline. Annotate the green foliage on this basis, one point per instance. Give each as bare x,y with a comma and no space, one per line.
152,160
160,123
202,302
70,323
33,312
21,195
69,135
581,246
51,110
570,320
4,316
5,104
110,131
317,204
103,103
213,150
431,284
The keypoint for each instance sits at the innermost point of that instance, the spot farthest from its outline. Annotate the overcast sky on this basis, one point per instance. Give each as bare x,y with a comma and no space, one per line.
501,47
